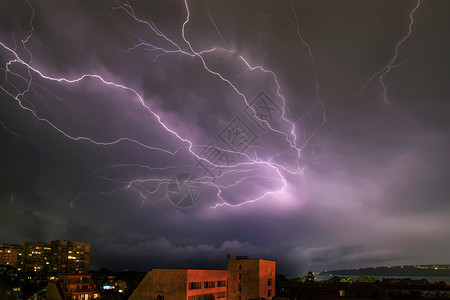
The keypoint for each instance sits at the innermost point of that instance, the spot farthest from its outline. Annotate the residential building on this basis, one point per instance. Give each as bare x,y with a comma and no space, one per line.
69,257
10,255
244,279
56,257
36,257
72,287
167,284
250,278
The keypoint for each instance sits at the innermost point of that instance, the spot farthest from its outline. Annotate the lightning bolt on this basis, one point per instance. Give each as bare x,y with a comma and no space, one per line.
290,137
390,64
16,136
148,186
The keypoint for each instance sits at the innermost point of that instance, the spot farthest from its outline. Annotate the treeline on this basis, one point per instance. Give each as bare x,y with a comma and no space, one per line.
404,271
368,278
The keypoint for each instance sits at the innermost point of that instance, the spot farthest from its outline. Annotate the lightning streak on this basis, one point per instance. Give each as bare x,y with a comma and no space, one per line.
193,53
141,184
16,136
386,69
21,95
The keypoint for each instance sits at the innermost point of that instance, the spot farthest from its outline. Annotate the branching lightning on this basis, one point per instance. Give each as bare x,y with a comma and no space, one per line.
241,171
387,68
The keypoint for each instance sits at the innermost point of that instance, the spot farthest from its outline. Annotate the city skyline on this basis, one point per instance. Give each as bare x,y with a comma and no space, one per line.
170,134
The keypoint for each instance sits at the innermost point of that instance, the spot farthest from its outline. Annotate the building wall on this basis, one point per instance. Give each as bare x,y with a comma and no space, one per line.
248,278
252,275
57,257
174,284
144,289
209,284
267,278
78,286
68,256
36,257
10,254
72,286
170,283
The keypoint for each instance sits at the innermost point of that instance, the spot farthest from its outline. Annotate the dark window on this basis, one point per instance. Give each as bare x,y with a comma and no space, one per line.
239,288
202,297
221,295
209,284
159,297
269,293
239,276
269,282
195,285
221,283
239,267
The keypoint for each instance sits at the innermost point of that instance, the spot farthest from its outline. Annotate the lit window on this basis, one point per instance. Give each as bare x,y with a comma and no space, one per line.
342,293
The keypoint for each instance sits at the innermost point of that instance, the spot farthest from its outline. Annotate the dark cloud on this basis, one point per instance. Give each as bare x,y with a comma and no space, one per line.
374,183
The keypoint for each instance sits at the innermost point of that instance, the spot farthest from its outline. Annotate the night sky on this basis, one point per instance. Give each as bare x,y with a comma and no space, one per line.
168,134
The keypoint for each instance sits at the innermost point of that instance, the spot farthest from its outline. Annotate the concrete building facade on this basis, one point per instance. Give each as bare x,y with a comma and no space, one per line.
244,279
164,284
251,278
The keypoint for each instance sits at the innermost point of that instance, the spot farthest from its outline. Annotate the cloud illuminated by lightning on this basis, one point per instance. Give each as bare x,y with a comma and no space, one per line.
288,129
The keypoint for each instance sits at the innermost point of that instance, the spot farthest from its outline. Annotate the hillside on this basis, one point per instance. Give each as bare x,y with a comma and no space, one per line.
422,270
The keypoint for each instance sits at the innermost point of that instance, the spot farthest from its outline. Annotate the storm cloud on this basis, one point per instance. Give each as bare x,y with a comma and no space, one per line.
371,184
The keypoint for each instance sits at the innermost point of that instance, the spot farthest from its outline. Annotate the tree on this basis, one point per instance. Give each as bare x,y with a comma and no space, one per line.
334,279
365,278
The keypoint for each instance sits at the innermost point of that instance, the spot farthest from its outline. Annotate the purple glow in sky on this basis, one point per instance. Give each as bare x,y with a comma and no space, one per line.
306,132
